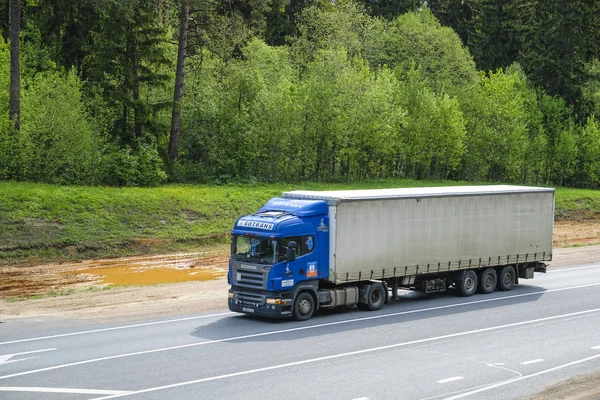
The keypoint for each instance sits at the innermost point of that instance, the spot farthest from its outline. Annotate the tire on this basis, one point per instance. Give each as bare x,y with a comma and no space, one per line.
304,306
507,278
468,286
488,280
375,300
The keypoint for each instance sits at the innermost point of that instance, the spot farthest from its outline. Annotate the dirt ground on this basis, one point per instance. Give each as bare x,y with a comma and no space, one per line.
85,289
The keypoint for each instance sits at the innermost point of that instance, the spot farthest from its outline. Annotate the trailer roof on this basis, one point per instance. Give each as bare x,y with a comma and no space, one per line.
445,191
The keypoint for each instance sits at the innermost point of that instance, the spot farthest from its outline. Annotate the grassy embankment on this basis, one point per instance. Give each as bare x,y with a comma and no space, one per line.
47,222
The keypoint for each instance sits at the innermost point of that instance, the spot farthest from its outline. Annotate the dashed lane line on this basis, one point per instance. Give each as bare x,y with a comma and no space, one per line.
538,360
448,380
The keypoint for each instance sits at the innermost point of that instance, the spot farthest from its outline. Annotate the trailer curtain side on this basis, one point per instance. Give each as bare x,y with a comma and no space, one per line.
406,232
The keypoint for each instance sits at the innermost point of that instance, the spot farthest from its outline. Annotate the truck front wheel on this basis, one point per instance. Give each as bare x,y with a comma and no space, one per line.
506,278
468,285
304,306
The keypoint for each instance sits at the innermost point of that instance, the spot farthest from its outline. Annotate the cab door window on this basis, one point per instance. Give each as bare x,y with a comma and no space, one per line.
304,245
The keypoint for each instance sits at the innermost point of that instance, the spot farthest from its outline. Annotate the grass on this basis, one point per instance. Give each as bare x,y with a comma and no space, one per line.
40,222
50,293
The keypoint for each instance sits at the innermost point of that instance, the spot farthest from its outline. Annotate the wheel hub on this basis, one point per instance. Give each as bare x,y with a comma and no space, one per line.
304,307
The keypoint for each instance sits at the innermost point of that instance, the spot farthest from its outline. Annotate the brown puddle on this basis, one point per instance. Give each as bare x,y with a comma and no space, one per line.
123,275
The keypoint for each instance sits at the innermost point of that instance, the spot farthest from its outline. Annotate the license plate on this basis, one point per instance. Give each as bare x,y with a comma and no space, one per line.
247,309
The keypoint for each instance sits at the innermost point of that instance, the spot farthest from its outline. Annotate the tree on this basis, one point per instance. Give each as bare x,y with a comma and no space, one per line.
14,110
590,89
179,81
497,126
498,32
344,26
59,142
589,154
433,135
128,57
392,8
564,36
417,39
457,14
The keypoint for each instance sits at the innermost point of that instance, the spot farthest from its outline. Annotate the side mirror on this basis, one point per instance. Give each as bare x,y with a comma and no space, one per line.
291,251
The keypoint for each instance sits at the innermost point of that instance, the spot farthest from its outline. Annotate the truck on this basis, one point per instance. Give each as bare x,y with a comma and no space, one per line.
311,250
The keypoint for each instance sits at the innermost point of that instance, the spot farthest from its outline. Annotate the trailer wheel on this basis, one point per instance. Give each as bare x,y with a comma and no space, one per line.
507,277
375,297
488,280
304,306
468,286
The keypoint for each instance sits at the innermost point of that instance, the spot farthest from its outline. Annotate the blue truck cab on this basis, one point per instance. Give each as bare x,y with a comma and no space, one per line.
277,253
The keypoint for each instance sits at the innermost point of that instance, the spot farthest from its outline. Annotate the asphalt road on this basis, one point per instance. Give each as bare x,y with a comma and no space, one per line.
505,345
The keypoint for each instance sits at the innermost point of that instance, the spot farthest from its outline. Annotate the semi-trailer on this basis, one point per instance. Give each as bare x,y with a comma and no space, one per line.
310,250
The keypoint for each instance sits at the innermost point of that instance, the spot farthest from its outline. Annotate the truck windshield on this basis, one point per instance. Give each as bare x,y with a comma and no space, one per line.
254,249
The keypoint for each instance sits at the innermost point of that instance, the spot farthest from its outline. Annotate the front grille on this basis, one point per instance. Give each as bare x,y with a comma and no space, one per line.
249,275
250,279
249,299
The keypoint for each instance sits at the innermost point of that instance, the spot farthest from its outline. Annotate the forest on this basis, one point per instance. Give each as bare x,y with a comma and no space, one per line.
145,92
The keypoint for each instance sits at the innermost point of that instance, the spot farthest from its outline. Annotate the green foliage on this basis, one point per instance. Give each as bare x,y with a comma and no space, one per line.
125,167
58,142
129,53
559,130
564,37
354,90
591,89
589,154
418,39
8,162
497,129
433,138
499,30
346,26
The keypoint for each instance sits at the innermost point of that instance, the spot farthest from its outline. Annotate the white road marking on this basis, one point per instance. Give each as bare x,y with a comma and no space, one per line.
302,328
115,328
513,380
455,378
60,390
538,360
596,348
361,398
6,358
353,353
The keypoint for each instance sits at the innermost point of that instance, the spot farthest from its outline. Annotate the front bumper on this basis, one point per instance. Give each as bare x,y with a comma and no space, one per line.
255,304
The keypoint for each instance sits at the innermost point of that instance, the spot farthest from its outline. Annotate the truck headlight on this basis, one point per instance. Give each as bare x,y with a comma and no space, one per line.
273,301
231,295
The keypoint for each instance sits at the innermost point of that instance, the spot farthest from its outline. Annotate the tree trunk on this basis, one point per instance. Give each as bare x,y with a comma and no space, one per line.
159,11
137,127
14,108
179,80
